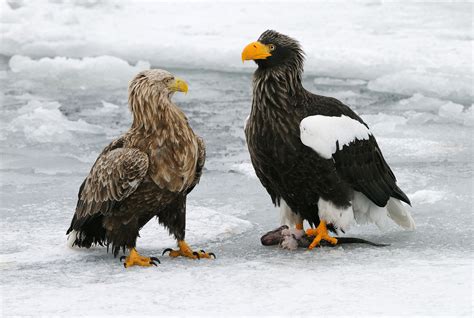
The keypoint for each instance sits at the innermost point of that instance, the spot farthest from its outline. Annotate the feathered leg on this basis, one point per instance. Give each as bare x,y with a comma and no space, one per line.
123,235
174,218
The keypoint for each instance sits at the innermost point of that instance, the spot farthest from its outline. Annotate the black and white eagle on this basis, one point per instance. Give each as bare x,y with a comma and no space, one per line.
316,157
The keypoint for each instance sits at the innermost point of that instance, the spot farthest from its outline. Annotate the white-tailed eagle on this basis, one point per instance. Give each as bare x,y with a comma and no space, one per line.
147,172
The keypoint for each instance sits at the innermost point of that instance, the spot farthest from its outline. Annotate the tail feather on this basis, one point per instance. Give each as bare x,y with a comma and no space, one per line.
400,215
86,232
73,236
398,193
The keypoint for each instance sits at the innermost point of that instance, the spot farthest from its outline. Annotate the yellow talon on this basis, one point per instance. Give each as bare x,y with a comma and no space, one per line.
134,258
320,233
186,251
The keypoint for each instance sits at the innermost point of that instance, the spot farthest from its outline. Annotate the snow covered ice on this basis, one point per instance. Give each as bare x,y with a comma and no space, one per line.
64,69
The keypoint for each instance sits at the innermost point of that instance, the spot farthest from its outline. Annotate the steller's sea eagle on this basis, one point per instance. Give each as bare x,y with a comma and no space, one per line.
316,158
147,172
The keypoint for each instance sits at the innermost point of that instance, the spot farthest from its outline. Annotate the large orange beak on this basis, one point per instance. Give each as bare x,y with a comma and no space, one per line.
255,51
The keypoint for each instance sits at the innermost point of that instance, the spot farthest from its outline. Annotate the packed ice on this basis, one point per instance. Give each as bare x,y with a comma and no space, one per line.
405,68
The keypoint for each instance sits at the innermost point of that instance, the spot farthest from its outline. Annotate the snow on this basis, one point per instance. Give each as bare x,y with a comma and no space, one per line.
402,48
64,71
428,196
338,81
324,133
419,109
43,122
455,113
456,87
81,73
245,168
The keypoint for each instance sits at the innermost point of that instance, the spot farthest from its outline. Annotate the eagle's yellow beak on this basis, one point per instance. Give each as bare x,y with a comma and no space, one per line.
179,86
255,51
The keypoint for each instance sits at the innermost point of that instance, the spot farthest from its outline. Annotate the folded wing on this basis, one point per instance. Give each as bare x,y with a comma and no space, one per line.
115,175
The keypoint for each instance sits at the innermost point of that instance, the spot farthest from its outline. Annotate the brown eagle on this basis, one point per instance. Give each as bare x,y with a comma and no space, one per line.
316,157
147,172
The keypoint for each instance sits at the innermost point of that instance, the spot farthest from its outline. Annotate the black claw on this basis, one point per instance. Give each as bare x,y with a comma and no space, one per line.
212,254
125,265
166,250
122,258
153,263
155,259
203,251
197,255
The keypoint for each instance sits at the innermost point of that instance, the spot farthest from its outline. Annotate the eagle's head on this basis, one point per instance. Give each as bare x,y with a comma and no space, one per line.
274,49
156,82
150,91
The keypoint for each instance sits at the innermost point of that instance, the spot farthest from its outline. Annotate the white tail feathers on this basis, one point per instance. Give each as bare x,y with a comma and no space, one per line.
287,216
365,211
400,215
71,238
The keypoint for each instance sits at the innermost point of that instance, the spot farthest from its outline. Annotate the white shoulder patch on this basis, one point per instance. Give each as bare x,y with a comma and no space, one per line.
322,132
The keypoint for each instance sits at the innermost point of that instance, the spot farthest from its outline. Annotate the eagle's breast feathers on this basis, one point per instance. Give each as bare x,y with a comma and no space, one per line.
173,164
169,156
172,148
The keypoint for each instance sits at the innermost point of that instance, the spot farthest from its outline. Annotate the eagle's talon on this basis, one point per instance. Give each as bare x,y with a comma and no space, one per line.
134,258
320,233
166,250
155,259
185,251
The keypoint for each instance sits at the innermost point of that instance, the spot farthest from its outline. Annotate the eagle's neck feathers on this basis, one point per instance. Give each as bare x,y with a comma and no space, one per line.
275,87
161,130
275,92
275,114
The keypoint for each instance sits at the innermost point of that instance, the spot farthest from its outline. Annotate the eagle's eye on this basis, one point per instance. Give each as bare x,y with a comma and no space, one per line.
272,47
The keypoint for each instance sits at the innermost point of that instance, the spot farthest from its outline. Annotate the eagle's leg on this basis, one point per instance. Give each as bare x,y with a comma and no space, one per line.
174,217
186,251
134,258
320,233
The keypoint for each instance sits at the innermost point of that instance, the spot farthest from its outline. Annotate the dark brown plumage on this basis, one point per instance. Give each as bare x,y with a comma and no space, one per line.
308,184
147,172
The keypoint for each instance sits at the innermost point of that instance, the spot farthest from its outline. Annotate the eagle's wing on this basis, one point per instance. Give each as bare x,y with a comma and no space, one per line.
200,163
362,165
335,132
116,174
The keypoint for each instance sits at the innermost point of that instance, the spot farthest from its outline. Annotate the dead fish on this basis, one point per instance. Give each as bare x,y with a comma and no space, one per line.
291,239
